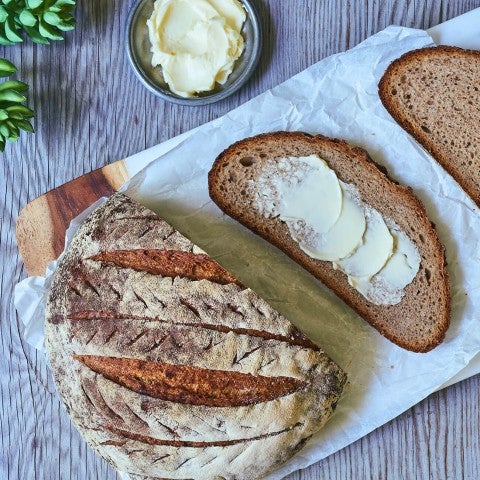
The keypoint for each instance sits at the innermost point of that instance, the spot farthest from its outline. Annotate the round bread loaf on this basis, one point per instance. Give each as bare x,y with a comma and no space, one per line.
171,368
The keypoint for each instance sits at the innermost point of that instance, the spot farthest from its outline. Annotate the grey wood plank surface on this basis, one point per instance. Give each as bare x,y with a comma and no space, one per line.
91,110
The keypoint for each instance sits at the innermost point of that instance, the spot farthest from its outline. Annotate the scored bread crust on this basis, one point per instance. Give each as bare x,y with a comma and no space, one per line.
419,322
434,94
167,365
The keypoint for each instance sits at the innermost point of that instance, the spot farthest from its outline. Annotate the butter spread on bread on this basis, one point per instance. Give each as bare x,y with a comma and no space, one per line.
168,366
329,221
434,94
418,321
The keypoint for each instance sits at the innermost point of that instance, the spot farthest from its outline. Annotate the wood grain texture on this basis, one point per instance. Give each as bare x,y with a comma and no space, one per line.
91,110
42,223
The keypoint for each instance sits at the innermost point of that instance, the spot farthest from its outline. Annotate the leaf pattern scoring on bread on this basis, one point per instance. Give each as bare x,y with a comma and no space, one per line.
169,366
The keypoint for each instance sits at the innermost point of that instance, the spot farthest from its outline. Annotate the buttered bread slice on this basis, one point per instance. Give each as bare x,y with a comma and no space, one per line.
168,366
330,208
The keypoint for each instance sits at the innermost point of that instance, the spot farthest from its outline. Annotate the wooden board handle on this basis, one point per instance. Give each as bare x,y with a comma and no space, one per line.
42,223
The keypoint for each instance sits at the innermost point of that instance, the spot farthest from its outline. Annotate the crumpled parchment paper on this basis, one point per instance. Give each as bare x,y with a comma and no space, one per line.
336,97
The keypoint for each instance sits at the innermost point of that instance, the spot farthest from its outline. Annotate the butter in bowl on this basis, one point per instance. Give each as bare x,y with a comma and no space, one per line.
196,52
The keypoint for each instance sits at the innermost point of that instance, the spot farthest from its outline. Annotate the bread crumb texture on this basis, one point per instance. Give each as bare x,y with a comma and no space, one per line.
434,94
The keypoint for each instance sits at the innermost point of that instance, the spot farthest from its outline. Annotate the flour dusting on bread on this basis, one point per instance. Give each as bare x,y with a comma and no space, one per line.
170,367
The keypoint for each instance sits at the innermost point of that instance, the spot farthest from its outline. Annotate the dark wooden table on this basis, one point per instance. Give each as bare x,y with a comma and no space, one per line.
91,110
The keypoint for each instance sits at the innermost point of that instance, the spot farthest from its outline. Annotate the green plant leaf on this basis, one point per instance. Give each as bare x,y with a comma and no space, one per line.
14,130
35,35
4,130
13,85
48,31
11,31
25,125
66,26
4,114
15,116
52,18
22,110
65,4
3,14
13,137
27,18
3,37
32,4
6,68
11,96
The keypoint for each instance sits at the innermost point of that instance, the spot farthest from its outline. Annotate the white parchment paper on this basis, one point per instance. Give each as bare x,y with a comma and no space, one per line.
335,97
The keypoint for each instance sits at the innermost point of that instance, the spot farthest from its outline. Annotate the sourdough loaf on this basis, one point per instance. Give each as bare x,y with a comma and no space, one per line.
419,321
434,94
167,365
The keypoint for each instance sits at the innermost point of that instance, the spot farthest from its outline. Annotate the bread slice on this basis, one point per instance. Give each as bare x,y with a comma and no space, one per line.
420,320
168,366
434,94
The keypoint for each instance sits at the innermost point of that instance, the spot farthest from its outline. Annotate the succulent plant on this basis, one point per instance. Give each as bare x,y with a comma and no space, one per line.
41,20
13,112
